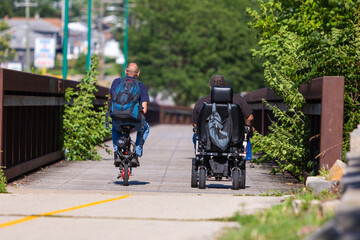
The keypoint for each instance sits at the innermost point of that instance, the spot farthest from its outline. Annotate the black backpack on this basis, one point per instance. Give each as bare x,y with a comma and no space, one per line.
125,102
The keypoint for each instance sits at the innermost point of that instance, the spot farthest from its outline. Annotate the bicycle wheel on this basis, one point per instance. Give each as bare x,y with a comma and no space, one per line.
126,175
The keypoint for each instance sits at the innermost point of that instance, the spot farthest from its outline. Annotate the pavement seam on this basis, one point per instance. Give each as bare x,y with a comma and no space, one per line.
82,172
33,216
252,180
168,164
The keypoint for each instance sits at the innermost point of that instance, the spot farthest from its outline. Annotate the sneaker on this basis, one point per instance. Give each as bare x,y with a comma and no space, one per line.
116,160
135,161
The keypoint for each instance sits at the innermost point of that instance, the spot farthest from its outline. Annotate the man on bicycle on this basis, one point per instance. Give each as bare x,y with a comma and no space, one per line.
142,127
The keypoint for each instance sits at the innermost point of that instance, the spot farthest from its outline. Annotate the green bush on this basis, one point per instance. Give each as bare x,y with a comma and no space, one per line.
83,125
301,41
3,182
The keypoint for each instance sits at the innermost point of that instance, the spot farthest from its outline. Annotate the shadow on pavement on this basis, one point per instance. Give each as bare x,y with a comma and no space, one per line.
220,186
132,183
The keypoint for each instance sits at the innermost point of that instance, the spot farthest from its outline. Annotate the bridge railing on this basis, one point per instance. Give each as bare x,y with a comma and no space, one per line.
31,108
325,108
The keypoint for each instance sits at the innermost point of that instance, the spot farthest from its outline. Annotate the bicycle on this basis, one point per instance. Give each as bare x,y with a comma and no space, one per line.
124,154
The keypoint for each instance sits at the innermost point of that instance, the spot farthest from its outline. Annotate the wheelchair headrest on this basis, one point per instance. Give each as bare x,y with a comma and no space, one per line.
221,95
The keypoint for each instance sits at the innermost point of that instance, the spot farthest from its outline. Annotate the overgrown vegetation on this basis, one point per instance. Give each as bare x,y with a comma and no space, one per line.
301,41
83,125
323,172
294,223
3,181
269,193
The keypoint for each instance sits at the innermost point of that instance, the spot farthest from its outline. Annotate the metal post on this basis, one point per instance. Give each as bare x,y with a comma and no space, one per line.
27,4
126,35
102,57
65,39
89,37
2,161
27,41
332,115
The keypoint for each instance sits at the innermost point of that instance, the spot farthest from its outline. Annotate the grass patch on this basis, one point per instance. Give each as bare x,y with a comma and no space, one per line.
3,182
323,172
281,221
272,194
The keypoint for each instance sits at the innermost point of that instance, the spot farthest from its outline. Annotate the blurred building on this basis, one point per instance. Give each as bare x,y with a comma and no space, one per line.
39,28
78,43
101,41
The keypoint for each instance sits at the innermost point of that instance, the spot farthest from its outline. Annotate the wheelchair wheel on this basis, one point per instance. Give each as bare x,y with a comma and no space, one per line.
194,173
126,175
242,178
235,179
202,178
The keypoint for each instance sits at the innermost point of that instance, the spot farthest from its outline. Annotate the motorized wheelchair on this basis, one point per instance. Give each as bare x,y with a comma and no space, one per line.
210,160
124,154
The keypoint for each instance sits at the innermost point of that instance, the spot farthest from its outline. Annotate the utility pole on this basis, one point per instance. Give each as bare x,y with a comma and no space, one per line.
27,43
65,39
126,34
89,37
27,4
102,57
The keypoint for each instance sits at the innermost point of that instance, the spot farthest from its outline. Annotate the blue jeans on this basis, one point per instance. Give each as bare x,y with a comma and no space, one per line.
249,151
142,133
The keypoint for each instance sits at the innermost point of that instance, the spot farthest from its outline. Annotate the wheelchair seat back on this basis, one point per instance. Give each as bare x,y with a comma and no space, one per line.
221,96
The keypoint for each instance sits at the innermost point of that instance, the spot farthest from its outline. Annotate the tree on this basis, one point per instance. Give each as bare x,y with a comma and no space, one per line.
301,41
6,8
6,53
180,44
84,126
45,8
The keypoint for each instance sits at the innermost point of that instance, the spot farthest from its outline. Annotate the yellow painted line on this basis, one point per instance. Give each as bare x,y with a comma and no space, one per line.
28,218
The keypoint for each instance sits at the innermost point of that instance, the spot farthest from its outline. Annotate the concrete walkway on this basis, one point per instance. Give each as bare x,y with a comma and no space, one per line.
85,200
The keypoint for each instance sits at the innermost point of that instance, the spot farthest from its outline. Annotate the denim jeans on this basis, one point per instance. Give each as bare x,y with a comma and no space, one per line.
249,151
142,132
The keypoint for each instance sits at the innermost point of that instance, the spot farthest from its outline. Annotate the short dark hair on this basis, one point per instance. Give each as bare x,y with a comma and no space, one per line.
218,81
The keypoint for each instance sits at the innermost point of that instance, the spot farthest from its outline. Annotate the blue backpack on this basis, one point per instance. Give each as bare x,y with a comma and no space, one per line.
125,103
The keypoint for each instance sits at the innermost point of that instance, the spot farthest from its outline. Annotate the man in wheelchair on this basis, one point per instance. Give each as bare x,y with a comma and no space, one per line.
222,124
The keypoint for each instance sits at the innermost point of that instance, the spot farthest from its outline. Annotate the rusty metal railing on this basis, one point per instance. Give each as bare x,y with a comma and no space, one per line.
325,108
31,108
